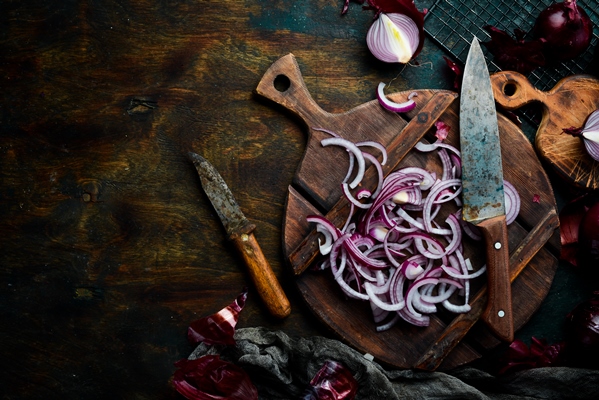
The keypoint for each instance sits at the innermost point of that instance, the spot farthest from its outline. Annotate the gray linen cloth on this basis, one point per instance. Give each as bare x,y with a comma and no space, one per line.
281,368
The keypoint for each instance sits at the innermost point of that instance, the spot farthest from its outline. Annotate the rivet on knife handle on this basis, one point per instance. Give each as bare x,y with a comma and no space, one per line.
240,232
457,329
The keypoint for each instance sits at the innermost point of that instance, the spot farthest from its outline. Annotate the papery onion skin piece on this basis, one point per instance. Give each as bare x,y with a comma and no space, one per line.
393,38
570,217
333,381
515,53
520,357
210,378
565,29
457,71
218,328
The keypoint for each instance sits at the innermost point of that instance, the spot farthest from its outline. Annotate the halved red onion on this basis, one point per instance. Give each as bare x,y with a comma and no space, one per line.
393,38
589,133
390,105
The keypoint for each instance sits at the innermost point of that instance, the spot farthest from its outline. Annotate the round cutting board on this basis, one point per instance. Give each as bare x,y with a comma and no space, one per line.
315,190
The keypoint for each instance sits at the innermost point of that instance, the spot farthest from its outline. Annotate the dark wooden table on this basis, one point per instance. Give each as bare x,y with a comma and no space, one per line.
108,247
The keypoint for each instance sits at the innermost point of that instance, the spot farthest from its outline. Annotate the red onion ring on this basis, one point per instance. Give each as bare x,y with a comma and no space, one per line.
390,105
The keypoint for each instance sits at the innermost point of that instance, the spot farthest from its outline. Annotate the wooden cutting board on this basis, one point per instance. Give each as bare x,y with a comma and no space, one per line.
567,105
450,340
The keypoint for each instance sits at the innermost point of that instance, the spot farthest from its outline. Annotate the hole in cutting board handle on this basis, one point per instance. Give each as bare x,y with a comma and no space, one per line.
282,83
510,88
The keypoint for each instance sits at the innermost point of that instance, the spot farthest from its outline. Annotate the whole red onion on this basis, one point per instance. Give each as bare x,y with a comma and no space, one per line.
566,30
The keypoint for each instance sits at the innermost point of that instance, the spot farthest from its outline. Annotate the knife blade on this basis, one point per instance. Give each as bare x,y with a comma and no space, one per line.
240,231
482,180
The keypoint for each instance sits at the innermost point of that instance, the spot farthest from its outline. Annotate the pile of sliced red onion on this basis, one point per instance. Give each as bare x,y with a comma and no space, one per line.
394,251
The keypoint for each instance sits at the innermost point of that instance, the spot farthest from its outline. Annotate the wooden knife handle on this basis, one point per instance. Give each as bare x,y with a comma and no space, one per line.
498,313
262,274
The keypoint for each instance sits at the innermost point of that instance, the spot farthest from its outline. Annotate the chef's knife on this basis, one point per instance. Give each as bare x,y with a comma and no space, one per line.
482,179
240,232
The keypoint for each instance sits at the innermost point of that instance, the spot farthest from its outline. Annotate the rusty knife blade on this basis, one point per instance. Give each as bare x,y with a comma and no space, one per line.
482,180
482,172
220,196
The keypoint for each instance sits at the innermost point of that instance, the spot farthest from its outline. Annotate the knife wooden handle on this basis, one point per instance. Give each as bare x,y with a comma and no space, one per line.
498,313
262,274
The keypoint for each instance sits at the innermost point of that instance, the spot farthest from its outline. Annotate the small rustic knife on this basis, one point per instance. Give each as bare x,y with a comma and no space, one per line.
240,232
482,179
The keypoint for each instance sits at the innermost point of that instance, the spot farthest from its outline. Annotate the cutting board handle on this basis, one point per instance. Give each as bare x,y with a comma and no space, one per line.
283,83
513,90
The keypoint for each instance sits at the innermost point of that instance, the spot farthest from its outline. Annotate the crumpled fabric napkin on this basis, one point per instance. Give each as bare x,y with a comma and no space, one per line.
281,368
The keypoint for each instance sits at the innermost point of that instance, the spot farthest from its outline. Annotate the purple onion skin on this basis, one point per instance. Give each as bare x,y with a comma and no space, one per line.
588,240
566,30
582,333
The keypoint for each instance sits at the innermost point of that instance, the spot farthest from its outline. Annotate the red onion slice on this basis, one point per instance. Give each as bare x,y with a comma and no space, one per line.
390,105
374,298
355,151
512,202
376,145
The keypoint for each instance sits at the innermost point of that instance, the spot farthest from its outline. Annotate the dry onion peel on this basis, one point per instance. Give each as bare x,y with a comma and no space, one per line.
394,254
218,328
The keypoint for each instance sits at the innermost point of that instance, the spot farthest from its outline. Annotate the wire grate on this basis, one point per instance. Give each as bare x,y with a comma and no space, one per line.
452,24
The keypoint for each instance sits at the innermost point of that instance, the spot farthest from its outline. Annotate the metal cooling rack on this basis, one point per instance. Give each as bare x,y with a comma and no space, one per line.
452,24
